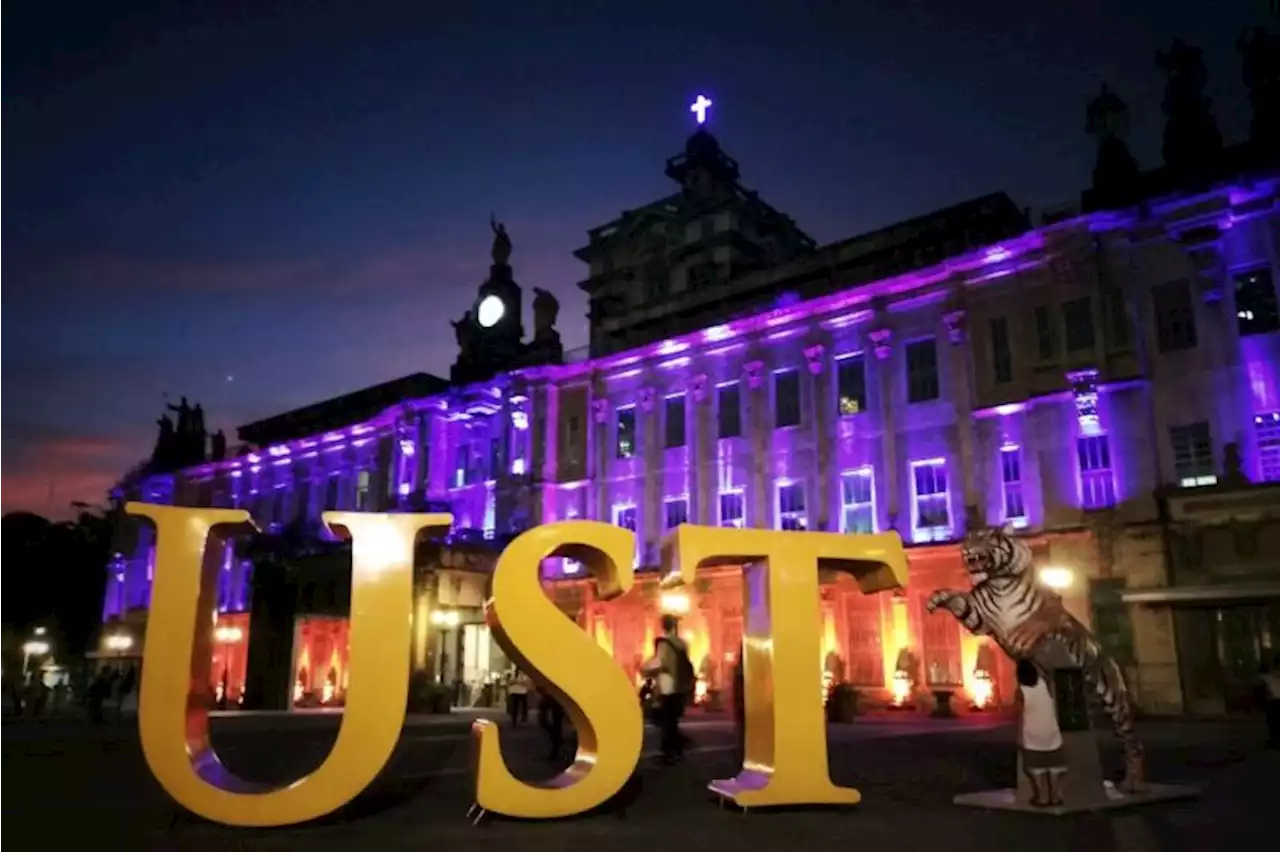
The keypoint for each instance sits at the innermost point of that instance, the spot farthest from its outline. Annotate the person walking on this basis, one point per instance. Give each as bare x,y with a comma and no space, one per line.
518,698
672,671
551,718
1269,693
1039,737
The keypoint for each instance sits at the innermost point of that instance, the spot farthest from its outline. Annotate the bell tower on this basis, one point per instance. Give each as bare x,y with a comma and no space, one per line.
490,335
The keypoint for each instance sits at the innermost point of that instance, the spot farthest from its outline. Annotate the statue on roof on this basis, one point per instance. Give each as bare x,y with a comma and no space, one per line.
1260,67
501,251
1115,172
546,308
1191,137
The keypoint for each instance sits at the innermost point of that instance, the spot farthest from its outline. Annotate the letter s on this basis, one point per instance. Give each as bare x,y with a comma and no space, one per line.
565,661
173,707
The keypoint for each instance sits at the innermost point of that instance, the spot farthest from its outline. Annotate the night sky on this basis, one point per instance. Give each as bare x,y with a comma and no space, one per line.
261,205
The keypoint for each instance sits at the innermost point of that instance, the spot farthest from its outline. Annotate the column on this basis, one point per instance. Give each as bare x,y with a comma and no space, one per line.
601,449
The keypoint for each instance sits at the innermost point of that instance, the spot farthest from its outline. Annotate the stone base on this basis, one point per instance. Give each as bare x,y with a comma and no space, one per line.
1008,799
744,791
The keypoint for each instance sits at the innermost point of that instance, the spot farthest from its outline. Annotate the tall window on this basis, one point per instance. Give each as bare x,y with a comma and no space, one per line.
857,501
1266,427
1256,308
1046,341
1077,317
922,371
625,516
331,493
461,465
1175,316
674,417
729,410
791,507
675,511
362,491
1001,355
495,458
1015,510
851,384
733,509
1117,314
786,399
626,439
1097,485
280,511
1192,454
573,434
931,499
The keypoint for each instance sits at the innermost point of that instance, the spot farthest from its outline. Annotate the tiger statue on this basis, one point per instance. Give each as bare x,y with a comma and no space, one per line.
1007,603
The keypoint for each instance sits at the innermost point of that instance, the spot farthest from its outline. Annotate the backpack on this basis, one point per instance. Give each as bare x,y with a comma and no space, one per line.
685,677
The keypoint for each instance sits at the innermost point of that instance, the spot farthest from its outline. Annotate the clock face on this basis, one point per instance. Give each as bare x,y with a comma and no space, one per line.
490,311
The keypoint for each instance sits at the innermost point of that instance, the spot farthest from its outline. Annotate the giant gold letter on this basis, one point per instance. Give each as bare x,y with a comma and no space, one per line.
783,647
173,706
562,659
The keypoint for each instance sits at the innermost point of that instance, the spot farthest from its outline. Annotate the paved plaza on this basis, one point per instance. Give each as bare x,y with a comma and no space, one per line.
69,780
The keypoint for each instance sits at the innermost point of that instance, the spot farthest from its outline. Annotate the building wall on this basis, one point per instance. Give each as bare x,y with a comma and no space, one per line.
646,437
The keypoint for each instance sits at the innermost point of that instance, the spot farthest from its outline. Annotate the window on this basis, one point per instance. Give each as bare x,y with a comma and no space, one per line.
1001,356
1267,432
1175,316
362,490
922,371
857,501
786,399
626,444
490,524
675,511
674,414
931,504
495,458
1077,316
461,462
573,434
1015,510
729,410
1192,454
1045,338
733,509
279,512
625,517
331,493
851,384
1117,315
1097,487
1256,308
791,512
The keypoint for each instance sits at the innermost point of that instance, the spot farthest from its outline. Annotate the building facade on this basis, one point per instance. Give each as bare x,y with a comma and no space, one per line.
1106,384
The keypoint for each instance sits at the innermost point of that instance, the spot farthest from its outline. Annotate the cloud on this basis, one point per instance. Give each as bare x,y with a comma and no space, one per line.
45,470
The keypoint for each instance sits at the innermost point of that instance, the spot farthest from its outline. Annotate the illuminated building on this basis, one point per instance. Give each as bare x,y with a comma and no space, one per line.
1083,381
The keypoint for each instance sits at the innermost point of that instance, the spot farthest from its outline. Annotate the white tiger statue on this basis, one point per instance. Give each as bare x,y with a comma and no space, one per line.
1007,603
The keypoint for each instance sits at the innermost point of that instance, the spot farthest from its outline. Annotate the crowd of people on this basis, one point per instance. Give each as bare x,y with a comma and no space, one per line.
107,687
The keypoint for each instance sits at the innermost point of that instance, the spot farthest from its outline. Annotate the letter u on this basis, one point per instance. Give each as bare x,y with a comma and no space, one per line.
173,710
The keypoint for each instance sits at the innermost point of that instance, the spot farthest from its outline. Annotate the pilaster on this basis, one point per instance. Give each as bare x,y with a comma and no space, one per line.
882,346
703,496
961,381
759,501
652,452
822,426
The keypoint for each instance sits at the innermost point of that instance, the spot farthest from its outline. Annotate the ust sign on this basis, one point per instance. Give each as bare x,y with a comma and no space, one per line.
782,642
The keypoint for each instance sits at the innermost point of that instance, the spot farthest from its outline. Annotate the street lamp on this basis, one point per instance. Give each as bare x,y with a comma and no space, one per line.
33,648
227,634
445,618
674,603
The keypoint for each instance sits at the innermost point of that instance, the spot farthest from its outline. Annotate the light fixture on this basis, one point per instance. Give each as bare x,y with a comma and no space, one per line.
490,311
445,618
118,642
35,648
228,634
1057,578
675,603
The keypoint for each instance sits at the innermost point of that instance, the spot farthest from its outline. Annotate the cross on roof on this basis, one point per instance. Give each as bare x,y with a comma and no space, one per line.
700,107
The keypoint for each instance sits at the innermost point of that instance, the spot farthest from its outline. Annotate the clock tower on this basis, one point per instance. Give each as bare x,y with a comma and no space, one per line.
490,334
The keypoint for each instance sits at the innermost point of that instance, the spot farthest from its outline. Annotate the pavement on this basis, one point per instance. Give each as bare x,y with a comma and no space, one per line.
74,780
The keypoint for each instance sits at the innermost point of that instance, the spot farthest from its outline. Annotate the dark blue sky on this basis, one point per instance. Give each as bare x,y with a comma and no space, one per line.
262,204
